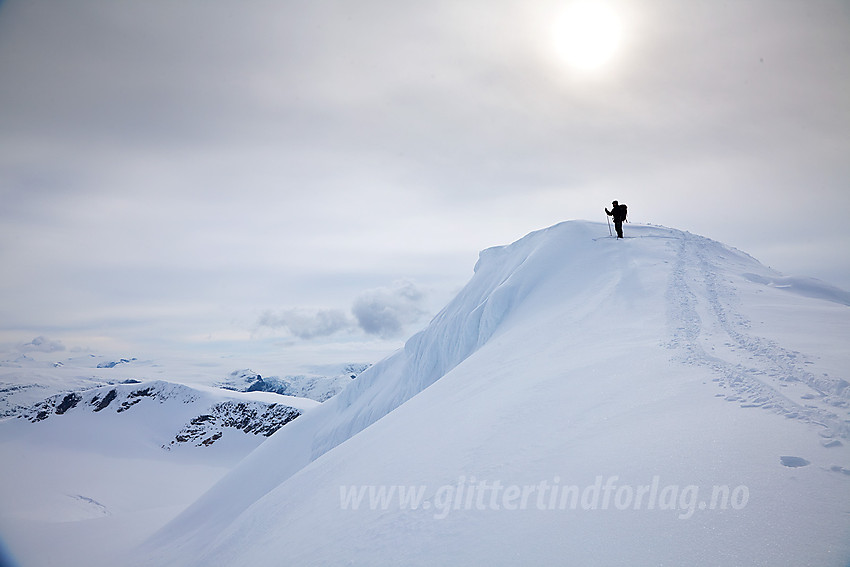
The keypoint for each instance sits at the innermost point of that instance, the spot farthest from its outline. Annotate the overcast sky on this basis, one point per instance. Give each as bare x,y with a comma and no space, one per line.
314,178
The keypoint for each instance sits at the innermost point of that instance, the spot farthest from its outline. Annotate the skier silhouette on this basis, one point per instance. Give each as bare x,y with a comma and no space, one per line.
619,213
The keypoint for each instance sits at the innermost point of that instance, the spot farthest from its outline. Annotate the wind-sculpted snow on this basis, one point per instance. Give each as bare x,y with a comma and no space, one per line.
503,278
809,287
568,358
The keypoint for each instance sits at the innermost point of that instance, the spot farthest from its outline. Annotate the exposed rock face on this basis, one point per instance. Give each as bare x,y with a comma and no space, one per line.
250,417
216,416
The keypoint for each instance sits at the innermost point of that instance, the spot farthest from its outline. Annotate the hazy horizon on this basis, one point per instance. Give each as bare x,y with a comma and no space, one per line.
298,180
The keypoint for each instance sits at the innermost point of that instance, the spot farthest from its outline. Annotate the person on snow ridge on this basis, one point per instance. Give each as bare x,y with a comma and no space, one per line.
619,213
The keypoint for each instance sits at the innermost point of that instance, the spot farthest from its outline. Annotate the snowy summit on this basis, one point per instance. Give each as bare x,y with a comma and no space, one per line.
661,399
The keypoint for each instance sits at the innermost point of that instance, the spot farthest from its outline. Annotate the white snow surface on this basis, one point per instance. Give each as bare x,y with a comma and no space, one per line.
642,375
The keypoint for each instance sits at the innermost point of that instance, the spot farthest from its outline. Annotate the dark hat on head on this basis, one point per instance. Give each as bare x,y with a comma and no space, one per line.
613,202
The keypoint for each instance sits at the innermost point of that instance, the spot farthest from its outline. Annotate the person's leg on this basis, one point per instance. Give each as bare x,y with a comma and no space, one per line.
619,227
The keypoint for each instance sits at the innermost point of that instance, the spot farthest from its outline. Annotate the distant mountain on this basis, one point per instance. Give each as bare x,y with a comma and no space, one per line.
113,363
314,386
27,379
213,416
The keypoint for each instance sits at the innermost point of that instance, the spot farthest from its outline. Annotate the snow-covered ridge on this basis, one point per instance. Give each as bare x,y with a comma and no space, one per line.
503,277
567,355
124,396
215,412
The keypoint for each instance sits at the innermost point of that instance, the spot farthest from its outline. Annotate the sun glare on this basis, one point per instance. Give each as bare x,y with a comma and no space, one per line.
587,35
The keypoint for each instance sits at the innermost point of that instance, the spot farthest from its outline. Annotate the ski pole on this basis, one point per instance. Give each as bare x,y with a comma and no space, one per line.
609,224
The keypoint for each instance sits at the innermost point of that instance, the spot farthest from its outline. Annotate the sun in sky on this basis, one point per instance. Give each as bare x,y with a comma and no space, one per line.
588,34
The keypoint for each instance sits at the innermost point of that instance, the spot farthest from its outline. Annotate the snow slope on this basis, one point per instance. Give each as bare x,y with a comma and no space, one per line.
658,400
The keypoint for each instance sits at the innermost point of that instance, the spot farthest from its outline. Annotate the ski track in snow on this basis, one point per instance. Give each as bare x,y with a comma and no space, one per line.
754,369
89,506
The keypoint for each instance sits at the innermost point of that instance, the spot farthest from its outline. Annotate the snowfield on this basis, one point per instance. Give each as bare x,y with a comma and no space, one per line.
659,400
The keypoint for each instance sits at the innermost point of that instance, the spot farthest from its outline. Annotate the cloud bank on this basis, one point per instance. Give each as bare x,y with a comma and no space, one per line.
42,344
386,311
383,311
307,323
